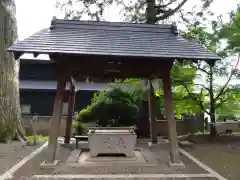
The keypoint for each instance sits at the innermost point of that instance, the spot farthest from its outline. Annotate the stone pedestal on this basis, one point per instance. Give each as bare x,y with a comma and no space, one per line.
112,141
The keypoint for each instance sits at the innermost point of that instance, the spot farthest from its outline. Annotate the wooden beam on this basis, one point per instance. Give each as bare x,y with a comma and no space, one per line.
71,103
117,67
56,117
17,55
152,113
172,129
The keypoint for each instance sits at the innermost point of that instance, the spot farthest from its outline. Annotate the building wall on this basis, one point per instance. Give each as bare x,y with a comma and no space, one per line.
31,70
45,70
189,124
42,101
42,125
162,127
183,127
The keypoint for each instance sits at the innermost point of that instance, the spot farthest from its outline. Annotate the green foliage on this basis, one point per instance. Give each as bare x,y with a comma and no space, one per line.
231,107
231,32
223,39
184,74
85,115
210,40
115,107
80,127
38,138
5,131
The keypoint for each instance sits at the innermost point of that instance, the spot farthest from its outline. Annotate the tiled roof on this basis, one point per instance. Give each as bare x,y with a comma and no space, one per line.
110,38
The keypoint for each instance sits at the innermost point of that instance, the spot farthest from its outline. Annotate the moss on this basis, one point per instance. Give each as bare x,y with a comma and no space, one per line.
38,137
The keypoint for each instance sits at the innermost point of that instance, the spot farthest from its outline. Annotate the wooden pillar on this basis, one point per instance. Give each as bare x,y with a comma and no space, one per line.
152,113
71,103
56,119
169,111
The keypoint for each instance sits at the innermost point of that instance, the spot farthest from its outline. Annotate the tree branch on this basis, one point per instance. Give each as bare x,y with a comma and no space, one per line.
195,99
199,68
161,11
221,102
185,19
160,6
202,86
203,70
170,12
228,80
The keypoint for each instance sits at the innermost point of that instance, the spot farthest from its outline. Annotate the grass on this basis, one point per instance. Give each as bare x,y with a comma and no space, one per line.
38,137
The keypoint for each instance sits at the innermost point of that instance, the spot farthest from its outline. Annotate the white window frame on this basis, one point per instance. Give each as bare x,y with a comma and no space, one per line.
64,108
24,106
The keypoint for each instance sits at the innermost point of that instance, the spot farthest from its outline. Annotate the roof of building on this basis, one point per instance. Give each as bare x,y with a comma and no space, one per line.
51,85
112,38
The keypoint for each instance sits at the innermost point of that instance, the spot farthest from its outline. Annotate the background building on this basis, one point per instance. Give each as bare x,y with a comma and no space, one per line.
38,88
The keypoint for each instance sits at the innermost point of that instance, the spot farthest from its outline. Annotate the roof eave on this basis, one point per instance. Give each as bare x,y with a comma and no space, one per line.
18,54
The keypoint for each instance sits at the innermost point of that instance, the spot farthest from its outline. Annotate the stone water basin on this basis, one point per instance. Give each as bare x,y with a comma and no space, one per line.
113,141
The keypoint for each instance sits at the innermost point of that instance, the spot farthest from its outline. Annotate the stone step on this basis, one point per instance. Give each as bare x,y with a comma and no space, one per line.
186,144
145,141
127,176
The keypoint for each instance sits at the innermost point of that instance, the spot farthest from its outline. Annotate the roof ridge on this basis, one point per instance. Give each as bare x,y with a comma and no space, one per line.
74,24
53,22
56,21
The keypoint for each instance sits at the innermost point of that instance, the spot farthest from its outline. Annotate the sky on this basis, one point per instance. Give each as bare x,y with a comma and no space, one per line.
33,15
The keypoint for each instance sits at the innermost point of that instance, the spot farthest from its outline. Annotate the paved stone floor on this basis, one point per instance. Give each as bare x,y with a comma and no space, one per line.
157,154
147,178
12,153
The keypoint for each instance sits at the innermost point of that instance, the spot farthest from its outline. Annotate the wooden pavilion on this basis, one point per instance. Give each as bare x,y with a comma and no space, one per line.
112,50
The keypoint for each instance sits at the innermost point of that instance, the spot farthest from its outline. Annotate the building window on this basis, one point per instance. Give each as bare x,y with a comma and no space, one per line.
25,109
65,108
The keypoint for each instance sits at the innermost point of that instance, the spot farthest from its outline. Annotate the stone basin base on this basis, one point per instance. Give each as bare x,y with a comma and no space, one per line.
86,158
112,141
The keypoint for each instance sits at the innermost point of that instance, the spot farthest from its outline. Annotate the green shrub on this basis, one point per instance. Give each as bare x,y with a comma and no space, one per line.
80,127
85,115
5,131
115,107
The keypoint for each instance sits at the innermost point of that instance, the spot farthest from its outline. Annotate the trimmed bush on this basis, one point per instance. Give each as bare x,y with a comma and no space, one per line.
85,115
80,127
116,107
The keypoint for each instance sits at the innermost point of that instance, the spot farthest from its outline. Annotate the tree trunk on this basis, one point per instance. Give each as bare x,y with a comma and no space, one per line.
151,12
213,131
9,91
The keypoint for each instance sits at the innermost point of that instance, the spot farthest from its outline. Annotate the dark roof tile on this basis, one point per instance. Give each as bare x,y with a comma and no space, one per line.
108,38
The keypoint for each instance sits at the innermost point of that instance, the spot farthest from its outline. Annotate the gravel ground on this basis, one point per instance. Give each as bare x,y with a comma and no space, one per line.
11,154
221,154
173,178
220,158
160,153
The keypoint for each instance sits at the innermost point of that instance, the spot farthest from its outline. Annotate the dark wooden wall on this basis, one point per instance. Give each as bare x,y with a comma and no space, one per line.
38,71
45,70
42,101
